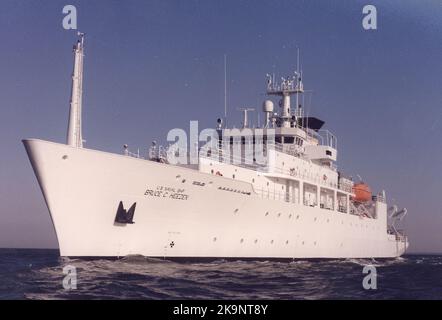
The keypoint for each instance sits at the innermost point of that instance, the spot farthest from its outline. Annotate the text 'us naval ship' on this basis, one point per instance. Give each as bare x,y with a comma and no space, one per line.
260,193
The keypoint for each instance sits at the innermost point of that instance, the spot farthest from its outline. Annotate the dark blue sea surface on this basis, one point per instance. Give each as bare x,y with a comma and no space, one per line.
38,274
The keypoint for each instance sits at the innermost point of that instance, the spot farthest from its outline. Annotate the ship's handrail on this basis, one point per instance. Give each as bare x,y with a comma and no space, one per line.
217,155
291,198
223,146
307,178
274,195
158,153
369,213
327,138
399,234
133,154
324,137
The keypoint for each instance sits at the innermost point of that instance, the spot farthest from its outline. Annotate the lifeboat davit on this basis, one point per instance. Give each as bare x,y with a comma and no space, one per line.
362,192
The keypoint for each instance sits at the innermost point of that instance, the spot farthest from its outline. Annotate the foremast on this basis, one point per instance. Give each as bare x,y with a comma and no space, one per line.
74,134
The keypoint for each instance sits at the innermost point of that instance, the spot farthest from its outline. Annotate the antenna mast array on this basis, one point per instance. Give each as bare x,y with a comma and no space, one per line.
288,86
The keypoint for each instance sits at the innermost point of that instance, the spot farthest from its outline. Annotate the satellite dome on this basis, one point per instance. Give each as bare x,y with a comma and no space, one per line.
267,106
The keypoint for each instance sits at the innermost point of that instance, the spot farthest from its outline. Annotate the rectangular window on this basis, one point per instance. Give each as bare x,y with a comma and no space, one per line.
328,152
289,139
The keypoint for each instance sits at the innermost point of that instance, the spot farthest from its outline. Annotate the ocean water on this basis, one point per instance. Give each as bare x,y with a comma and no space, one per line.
38,274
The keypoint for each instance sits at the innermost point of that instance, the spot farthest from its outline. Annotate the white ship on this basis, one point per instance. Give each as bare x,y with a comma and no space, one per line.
293,203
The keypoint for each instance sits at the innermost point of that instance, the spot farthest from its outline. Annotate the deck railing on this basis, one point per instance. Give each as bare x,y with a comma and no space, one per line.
218,154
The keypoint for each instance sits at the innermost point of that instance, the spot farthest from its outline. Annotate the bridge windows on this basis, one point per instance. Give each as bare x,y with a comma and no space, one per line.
294,140
289,140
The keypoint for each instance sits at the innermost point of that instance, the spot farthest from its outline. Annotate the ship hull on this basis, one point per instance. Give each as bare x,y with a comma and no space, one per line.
184,213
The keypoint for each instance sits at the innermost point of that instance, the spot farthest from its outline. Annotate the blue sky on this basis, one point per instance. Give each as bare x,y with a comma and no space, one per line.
154,65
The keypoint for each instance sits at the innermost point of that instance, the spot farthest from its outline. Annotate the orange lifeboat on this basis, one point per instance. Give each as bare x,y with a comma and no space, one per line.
362,192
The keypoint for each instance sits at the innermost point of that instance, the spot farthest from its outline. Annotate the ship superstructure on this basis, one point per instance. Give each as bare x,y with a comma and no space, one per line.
268,192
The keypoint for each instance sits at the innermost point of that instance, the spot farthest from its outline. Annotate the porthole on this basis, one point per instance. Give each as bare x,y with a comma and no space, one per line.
241,241
64,157
279,214
271,242
290,216
214,239
267,213
184,180
256,240
287,242
297,217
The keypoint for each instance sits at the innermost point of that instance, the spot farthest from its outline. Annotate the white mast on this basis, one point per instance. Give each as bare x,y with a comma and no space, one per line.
297,93
225,89
74,135
246,119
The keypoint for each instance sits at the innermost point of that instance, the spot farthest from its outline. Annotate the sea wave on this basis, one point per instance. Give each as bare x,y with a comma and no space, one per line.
40,276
